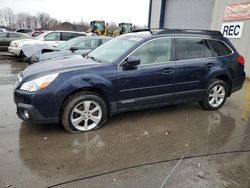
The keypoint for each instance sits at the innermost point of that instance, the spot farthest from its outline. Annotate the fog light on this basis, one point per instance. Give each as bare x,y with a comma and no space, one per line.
26,114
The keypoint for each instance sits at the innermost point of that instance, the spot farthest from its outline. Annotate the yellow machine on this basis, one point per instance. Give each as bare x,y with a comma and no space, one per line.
123,29
99,28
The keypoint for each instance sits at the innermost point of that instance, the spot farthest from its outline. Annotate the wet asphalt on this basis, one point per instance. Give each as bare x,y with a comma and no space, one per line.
134,149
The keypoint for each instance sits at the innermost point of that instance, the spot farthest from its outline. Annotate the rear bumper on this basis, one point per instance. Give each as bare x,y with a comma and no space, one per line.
238,82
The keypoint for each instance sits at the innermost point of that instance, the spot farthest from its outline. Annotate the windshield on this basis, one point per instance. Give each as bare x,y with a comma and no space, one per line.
126,28
40,36
114,49
99,25
70,43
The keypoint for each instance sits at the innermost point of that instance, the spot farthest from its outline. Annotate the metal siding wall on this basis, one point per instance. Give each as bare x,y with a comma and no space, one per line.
192,14
155,13
242,44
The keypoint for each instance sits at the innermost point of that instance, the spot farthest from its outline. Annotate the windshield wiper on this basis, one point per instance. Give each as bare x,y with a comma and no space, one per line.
97,60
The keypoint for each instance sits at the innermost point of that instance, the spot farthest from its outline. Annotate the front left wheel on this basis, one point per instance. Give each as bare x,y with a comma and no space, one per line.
84,111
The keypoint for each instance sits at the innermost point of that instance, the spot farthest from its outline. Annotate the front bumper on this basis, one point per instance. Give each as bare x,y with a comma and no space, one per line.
15,50
38,107
34,116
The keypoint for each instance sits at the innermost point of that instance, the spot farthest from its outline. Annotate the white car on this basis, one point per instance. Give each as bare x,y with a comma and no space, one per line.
2,30
51,38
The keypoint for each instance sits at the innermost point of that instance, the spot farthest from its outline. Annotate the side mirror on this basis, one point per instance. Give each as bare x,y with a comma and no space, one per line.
131,61
73,49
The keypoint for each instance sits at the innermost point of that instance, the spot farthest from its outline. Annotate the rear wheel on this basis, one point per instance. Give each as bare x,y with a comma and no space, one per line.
84,112
215,96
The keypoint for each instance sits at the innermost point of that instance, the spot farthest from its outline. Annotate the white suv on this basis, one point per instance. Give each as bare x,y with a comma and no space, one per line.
51,38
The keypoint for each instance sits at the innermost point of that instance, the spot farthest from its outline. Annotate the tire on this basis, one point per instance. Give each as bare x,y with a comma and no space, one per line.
215,96
76,115
21,54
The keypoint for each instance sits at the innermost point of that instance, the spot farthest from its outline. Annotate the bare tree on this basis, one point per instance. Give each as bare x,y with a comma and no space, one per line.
21,19
42,21
8,17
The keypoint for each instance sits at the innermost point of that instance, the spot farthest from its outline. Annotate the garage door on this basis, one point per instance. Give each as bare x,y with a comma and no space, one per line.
191,14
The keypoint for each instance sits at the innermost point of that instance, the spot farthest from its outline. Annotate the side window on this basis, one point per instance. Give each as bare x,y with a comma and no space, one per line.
68,36
88,44
155,51
55,36
219,48
3,35
14,35
189,48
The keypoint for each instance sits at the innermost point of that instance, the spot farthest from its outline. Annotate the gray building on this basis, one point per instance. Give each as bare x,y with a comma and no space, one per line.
229,16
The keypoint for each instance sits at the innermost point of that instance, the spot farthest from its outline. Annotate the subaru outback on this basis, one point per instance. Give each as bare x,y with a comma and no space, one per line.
133,71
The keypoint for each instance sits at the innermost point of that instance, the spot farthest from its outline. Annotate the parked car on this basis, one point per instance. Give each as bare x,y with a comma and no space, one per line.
78,45
51,38
7,37
23,30
130,72
3,30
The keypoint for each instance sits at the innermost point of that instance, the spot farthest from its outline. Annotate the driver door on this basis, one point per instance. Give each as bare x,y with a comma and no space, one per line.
150,82
52,39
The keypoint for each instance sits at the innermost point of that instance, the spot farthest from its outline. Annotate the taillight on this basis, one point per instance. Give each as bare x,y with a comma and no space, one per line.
240,60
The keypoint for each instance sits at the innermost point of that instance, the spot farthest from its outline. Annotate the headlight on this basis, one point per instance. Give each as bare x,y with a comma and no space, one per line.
39,83
15,44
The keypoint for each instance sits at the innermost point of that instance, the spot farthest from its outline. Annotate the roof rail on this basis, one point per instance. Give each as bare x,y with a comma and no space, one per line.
193,31
151,30
140,30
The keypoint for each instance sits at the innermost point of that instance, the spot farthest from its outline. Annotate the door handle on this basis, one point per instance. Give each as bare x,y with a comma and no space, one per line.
209,65
167,71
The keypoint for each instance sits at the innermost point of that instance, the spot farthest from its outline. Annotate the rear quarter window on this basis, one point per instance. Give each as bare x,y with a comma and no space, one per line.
219,48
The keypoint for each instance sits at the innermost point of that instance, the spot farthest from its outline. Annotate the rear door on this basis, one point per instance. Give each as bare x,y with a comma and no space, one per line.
192,64
152,81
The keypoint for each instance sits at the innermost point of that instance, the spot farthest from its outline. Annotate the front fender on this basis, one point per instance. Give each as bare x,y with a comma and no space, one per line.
80,82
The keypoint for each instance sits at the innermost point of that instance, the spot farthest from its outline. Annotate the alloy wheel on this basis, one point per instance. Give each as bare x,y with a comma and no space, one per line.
86,115
216,96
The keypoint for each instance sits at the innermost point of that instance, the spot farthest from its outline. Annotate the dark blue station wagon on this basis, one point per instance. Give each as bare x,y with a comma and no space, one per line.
133,71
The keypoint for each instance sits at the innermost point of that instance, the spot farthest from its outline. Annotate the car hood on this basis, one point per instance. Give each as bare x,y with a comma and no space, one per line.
30,41
32,49
22,42
59,65
59,54
56,54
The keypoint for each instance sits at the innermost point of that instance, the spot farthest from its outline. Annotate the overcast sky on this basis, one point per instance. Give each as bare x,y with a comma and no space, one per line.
135,11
